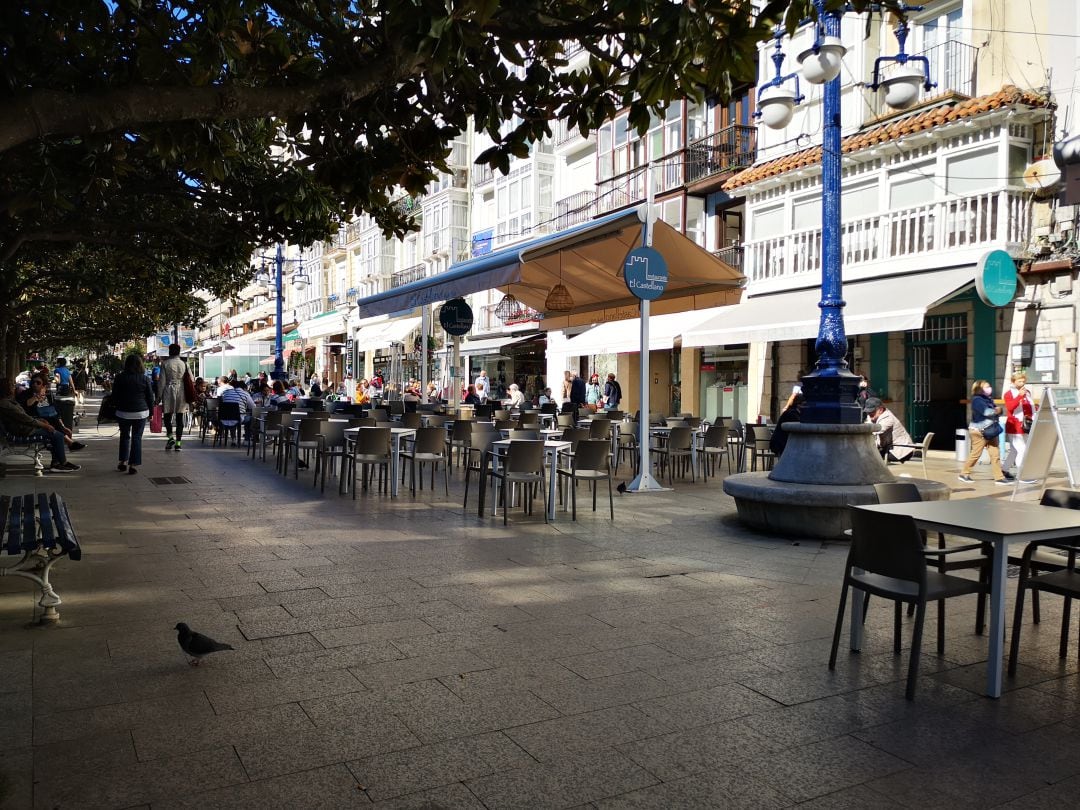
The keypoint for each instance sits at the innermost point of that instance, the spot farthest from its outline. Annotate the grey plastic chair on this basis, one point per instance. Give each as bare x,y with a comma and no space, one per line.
371,449
523,464
429,447
592,463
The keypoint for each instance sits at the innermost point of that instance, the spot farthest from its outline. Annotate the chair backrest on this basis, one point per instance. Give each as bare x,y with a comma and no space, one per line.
565,420
629,433
482,438
275,419
675,422
361,421
333,433
693,422
396,406
575,435
504,424
411,420
530,419
549,407
897,492
430,440
321,415
436,420
925,448
1065,498
461,431
737,429
525,455
378,414
600,429
592,454
680,438
524,434
229,410
483,411
501,413
890,545
309,429
615,416
373,441
386,423
715,436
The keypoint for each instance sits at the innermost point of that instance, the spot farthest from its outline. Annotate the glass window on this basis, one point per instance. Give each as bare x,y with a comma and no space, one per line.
500,196
526,193
515,202
603,143
695,219
806,213
620,130
545,190
911,192
767,222
671,213
859,201
1018,162
972,172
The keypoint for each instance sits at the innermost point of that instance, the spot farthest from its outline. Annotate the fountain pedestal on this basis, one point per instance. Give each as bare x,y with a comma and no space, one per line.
823,470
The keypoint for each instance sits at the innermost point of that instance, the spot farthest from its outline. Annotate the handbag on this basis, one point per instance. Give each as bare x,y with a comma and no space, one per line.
190,396
157,419
992,431
1028,421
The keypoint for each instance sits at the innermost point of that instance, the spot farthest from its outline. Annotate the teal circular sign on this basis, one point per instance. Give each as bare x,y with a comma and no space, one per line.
995,278
645,273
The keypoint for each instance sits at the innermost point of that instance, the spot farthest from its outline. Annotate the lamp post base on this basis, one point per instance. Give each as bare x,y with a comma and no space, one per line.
830,398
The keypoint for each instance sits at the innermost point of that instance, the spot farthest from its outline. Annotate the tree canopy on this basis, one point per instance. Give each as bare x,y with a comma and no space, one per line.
150,145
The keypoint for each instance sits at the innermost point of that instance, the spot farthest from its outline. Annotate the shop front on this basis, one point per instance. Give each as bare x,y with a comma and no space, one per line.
507,359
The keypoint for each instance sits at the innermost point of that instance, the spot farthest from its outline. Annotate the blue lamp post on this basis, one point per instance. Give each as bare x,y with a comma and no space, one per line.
300,281
830,388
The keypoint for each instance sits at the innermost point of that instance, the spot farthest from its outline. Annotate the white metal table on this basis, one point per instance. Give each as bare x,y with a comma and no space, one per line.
551,456
994,521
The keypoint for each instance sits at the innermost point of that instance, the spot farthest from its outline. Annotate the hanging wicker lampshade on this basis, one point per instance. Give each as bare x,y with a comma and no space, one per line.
559,299
507,308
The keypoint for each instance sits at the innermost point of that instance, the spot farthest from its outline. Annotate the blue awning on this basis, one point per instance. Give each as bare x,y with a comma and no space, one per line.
587,259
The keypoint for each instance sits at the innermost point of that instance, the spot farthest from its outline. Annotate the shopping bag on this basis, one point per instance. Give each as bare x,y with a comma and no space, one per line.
157,419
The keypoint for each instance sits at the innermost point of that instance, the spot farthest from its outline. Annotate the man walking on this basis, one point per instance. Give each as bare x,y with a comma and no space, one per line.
612,393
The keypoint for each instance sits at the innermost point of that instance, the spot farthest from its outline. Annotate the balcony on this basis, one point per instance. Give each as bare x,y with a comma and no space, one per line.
488,321
731,149
953,68
732,255
482,174
409,207
575,209
991,219
408,275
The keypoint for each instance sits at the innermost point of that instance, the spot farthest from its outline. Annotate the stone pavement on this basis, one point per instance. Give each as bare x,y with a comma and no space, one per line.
408,654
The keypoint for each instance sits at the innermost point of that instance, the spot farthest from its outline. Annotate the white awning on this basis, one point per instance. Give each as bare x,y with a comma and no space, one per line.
618,337
382,334
893,304
324,325
490,345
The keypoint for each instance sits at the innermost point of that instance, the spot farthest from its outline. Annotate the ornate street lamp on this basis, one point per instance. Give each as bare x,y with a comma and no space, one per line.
830,389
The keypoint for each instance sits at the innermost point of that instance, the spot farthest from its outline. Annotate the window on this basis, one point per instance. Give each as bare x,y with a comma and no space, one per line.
806,213
767,222
858,201
695,219
911,186
972,172
1018,162
671,213
943,43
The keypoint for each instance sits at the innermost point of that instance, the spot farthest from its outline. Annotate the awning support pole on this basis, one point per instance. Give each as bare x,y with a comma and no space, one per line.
425,332
644,482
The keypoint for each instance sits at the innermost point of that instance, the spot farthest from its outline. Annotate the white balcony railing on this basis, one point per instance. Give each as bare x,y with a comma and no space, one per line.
998,217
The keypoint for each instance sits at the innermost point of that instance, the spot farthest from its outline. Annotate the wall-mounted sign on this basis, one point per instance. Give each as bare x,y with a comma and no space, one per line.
645,273
456,317
995,278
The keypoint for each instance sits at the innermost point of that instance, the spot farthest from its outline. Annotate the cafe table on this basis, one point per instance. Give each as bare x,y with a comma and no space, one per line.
552,448
397,435
991,520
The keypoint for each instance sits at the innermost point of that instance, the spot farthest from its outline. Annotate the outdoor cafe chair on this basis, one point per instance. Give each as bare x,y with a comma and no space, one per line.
524,465
371,448
209,416
627,444
504,424
331,447
678,447
600,429
615,416
1050,567
477,455
273,428
919,451
396,407
483,411
459,437
379,414
501,413
517,433
566,420
305,440
592,463
227,412
361,421
436,420
713,447
886,559
411,420
756,444
428,447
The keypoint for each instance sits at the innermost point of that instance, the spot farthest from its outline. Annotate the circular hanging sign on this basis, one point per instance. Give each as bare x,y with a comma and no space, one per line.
995,278
456,317
645,273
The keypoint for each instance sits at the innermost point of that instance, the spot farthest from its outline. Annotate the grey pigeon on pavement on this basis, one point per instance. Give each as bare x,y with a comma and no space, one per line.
196,644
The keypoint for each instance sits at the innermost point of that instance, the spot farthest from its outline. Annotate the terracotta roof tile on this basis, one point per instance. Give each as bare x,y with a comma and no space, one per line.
894,129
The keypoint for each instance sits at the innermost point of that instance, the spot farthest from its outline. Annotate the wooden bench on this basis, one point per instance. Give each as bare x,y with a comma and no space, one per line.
37,527
32,448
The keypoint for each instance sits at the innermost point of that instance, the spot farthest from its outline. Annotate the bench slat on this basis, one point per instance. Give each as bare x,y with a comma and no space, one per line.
12,546
65,533
29,524
14,542
45,521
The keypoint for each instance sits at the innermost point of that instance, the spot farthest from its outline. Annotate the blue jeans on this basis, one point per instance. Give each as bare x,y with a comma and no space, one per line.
131,431
55,440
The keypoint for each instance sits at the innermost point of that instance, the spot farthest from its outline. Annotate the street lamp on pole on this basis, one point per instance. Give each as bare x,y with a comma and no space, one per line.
300,282
830,388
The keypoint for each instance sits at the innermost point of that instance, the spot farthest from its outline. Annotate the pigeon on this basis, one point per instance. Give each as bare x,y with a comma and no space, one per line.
196,644
621,488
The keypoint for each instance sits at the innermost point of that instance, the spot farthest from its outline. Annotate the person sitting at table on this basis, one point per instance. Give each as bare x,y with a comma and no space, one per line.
38,402
544,398
470,396
792,413
278,399
893,441
515,399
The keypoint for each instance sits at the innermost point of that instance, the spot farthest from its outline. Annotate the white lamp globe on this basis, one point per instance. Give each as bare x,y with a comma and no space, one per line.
824,65
777,106
902,87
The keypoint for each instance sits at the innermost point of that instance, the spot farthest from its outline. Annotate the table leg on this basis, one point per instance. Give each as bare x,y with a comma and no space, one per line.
997,620
395,460
552,456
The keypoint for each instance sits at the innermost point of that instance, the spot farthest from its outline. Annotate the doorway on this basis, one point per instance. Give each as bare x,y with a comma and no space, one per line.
936,361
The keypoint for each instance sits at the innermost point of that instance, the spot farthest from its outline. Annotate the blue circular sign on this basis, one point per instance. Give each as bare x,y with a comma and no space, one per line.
995,278
645,273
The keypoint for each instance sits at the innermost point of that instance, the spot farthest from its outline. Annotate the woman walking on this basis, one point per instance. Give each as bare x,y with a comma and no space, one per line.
984,431
1020,410
170,395
134,398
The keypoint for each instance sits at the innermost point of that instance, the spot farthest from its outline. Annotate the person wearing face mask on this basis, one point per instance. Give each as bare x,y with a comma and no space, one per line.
865,392
984,431
1020,408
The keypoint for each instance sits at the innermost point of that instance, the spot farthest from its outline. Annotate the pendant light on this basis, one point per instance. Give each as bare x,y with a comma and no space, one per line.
559,299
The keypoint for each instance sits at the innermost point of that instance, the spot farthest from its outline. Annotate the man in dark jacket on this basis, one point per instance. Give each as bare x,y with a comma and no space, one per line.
577,391
612,393
22,425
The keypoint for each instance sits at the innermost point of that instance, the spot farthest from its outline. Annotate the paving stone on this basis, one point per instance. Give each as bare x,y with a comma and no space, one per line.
420,668
523,677
382,631
564,782
16,719
476,716
682,753
429,766
326,788
703,791
425,696
322,660
624,659
599,693
237,697
50,728
580,734
705,706
449,797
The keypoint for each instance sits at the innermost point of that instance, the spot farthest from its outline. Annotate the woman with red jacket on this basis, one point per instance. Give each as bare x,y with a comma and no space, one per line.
1019,410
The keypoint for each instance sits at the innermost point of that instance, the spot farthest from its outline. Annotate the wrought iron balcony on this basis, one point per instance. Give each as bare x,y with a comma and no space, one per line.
576,208
730,149
408,275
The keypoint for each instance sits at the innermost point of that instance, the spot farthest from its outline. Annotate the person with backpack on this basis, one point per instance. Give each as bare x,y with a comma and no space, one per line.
612,393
